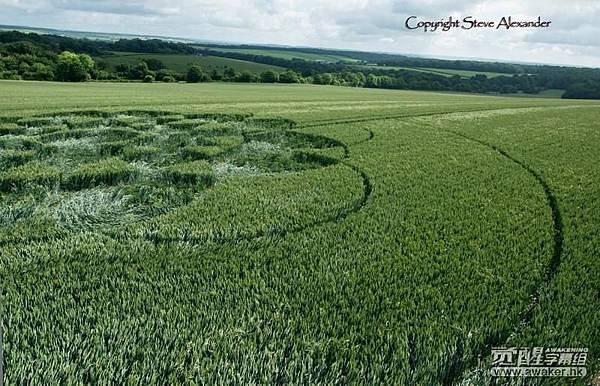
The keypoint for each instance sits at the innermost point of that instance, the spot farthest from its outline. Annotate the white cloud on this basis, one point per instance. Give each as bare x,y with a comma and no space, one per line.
352,24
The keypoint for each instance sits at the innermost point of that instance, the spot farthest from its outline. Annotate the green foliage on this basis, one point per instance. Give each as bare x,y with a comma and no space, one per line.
246,77
229,74
196,74
269,77
34,172
71,67
39,71
180,64
195,172
289,77
583,90
139,71
11,128
154,64
200,152
109,171
48,57
402,263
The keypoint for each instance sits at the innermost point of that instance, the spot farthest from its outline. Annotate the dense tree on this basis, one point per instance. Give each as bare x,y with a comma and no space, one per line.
215,74
161,74
229,74
269,77
246,77
354,79
41,71
584,90
71,67
195,74
154,64
140,71
289,76
122,68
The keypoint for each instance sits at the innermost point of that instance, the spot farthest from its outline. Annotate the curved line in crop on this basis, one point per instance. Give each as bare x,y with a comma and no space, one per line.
367,192
527,314
338,121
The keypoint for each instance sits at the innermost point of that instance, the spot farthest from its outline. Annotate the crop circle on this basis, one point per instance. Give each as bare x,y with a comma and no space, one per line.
97,171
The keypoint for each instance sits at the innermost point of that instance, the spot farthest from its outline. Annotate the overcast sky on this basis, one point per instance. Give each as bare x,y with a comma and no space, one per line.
373,25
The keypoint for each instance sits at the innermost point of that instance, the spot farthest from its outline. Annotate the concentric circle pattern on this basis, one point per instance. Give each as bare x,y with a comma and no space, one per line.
106,172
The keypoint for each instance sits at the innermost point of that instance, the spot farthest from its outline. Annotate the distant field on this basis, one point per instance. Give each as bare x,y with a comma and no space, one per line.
465,73
181,63
440,71
291,234
287,54
551,93
305,102
87,34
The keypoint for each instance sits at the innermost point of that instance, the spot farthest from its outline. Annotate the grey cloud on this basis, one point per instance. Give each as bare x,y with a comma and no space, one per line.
137,8
358,24
585,36
431,8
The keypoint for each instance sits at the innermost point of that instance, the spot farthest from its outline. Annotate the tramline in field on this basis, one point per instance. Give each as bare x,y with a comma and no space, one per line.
330,237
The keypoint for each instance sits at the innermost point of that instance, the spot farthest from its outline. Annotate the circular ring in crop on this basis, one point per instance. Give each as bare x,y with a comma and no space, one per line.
162,175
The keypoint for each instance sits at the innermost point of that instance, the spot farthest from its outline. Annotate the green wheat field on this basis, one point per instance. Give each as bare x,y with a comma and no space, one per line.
251,234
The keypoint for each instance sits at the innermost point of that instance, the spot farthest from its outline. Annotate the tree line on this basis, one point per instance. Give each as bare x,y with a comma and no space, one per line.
31,56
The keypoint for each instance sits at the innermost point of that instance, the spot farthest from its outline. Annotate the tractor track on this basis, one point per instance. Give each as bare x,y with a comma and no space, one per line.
336,121
557,223
334,218
527,314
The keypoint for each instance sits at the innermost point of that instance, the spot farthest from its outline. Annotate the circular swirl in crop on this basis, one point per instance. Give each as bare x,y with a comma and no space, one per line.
111,172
